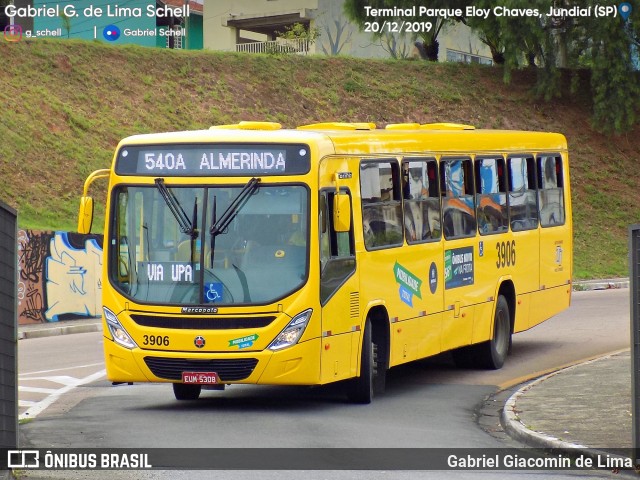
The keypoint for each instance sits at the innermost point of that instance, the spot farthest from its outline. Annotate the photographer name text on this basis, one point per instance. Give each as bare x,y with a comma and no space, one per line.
92,11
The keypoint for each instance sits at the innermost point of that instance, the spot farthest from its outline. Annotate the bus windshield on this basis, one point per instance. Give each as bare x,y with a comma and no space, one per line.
165,251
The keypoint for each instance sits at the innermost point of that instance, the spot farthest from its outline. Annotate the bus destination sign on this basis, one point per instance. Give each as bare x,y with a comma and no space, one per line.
212,160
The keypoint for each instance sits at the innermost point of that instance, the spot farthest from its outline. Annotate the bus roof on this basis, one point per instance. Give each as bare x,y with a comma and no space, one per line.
365,138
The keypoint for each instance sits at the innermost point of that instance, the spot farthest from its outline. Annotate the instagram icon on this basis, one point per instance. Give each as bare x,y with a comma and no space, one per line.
13,33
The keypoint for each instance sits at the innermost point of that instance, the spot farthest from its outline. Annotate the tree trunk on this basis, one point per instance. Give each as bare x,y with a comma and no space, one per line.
432,51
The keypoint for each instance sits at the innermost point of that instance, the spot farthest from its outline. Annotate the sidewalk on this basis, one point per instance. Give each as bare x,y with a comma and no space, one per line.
587,406
63,327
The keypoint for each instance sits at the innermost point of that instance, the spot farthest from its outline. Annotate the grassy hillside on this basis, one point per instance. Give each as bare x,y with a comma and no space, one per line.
66,104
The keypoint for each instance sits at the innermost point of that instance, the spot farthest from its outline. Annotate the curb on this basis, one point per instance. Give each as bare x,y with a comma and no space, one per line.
517,430
608,284
60,330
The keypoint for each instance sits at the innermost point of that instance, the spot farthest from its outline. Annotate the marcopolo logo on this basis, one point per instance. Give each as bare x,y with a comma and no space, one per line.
13,33
111,33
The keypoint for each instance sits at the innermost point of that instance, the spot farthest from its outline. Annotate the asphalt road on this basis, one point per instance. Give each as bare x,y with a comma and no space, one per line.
427,404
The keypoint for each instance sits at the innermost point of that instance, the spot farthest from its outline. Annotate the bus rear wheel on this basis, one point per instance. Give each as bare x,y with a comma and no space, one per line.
186,392
492,353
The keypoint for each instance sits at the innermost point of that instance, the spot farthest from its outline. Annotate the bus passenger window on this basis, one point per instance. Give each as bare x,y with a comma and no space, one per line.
492,196
381,203
551,192
458,205
523,203
421,200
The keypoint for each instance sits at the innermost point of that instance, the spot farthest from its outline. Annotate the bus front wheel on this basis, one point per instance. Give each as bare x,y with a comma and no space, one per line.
186,392
360,389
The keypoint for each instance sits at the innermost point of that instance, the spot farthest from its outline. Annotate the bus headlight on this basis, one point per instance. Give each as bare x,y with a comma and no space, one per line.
119,334
292,332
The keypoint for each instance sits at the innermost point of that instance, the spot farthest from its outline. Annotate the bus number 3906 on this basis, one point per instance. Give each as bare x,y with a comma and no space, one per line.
506,254
159,340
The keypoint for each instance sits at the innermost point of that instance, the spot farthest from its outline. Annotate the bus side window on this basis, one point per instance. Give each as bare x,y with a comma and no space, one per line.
551,192
381,203
523,198
458,205
421,200
337,250
492,196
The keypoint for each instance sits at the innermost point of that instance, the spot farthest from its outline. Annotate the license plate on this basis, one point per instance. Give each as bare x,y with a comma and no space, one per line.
201,378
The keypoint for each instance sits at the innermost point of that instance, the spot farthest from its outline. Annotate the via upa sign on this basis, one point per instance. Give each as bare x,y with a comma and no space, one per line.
409,284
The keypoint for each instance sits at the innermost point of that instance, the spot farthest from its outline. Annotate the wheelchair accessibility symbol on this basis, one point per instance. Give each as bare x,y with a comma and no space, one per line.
213,292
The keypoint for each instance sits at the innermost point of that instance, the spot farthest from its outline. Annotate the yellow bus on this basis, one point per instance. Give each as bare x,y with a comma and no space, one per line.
253,254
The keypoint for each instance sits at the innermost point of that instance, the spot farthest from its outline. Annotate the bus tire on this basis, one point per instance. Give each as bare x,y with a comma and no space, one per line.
493,353
360,389
186,392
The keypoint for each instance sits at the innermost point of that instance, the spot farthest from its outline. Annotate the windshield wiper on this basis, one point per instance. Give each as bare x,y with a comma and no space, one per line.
186,226
214,219
221,224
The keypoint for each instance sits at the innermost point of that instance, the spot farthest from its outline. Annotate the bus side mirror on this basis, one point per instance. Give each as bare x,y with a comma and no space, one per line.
341,213
85,216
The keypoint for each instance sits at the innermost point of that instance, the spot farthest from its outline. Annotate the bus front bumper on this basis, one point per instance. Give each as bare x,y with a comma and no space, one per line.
295,365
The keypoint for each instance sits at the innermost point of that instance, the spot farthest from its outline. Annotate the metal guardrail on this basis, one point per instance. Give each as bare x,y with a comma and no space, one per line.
634,295
297,46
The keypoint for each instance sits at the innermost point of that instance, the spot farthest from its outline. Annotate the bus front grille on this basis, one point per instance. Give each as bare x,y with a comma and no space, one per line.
201,323
228,370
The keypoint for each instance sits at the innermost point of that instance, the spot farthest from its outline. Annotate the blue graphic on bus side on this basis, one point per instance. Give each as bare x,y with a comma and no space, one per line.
406,295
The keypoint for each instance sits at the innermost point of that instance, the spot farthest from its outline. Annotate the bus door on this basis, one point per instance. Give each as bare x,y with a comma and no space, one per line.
339,293
418,266
555,238
459,227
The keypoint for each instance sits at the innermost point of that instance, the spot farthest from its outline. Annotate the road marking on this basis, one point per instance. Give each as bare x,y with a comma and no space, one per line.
35,408
40,372
22,388
61,379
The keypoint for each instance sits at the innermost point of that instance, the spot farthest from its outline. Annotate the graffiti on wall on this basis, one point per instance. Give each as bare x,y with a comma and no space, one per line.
59,275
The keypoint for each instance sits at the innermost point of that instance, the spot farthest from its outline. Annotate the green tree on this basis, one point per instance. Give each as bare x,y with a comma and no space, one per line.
603,45
608,46
301,34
